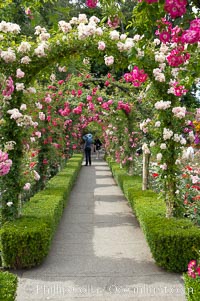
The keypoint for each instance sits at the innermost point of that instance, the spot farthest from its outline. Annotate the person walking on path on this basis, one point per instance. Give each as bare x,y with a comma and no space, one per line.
87,148
97,144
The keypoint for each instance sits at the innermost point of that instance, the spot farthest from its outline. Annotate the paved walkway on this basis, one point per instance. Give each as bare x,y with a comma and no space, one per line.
99,252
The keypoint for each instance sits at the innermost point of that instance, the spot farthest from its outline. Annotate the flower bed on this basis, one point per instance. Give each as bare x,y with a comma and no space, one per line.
26,241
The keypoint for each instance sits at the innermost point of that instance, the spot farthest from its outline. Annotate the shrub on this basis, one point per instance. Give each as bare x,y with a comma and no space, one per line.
8,286
170,240
192,288
127,182
26,241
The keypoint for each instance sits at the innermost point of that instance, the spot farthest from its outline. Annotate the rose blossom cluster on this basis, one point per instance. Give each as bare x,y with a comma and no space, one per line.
91,107
176,8
126,46
113,22
177,56
162,105
28,12
21,120
114,35
123,106
8,55
167,134
8,27
109,60
164,30
168,33
159,75
66,111
193,269
91,3
42,33
101,45
9,89
64,26
24,47
136,77
106,105
177,89
40,50
192,34
5,163
20,73
144,125
179,112
77,110
27,186
179,139
87,29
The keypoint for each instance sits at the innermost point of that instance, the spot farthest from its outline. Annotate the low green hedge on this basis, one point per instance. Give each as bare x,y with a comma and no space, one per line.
8,286
192,288
171,241
26,241
117,171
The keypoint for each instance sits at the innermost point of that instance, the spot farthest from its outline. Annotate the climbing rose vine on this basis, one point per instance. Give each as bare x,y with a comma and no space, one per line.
5,163
136,77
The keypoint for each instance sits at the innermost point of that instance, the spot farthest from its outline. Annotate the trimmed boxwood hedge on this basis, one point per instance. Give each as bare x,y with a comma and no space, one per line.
8,286
26,241
171,241
192,288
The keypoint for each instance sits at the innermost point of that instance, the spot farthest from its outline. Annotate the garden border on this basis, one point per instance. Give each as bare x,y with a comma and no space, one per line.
25,242
172,241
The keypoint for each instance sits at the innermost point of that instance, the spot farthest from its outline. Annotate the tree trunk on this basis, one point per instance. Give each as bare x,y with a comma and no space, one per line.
145,171
170,197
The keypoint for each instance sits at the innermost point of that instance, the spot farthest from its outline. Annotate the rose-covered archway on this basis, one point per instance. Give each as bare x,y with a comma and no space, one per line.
168,58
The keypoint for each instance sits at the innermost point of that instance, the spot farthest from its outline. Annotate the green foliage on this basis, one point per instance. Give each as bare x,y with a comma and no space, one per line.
119,175
14,12
192,288
8,286
94,128
171,241
196,3
26,241
144,18
190,100
114,166
128,182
